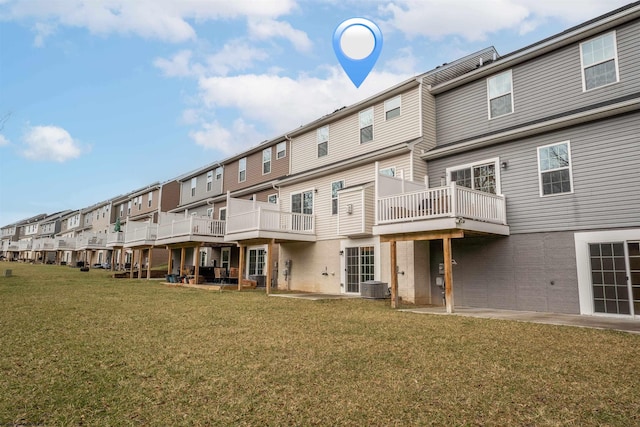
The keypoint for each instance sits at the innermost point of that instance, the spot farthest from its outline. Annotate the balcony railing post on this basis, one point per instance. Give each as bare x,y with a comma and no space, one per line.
454,199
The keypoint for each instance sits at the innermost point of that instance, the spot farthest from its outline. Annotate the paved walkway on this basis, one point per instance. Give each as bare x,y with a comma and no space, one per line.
597,322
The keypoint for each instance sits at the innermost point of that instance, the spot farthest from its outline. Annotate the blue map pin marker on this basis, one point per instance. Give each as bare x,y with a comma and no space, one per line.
357,43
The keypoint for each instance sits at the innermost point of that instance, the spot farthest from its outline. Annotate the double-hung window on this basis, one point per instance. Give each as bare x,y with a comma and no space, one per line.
554,166
482,176
599,61
209,180
366,125
322,137
335,187
149,199
194,181
500,94
266,161
281,150
392,108
242,169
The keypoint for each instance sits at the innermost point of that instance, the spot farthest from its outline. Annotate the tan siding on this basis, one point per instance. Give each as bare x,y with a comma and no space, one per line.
344,135
170,196
428,120
350,223
369,208
548,85
279,168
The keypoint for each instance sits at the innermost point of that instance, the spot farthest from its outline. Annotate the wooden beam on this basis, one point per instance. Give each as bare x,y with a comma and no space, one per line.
448,274
394,274
196,270
140,263
241,268
170,259
182,255
133,259
426,235
149,264
269,263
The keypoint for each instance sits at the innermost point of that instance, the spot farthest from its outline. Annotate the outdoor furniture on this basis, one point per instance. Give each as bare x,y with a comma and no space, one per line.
233,275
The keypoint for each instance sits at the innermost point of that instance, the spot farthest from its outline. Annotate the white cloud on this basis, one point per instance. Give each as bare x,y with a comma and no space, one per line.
269,28
50,143
178,66
235,55
3,140
157,19
228,141
281,103
474,20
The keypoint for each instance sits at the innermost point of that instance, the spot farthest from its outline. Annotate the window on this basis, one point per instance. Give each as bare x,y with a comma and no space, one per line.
272,198
388,171
139,202
225,258
322,137
222,214
210,212
209,180
482,176
554,166
366,125
335,187
392,108
599,61
242,169
150,199
281,150
129,208
266,161
218,173
256,262
302,202
194,181
122,210
500,95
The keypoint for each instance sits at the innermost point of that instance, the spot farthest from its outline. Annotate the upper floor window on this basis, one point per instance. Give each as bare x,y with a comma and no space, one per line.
209,180
129,207
392,108
482,176
388,171
149,199
335,187
222,214
242,169
218,173
266,161
209,212
302,202
194,182
500,94
272,198
322,137
281,150
599,61
366,125
554,167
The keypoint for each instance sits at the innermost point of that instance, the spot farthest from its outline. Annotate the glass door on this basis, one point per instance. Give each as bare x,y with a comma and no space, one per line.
615,277
359,267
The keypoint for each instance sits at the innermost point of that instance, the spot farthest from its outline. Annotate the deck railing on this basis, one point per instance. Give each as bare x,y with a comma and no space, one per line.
193,225
141,233
263,219
448,201
115,238
91,241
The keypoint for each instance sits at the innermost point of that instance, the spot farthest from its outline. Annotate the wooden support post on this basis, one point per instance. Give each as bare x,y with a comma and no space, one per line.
241,268
394,274
113,258
269,265
170,259
183,253
132,263
140,252
149,264
196,270
448,274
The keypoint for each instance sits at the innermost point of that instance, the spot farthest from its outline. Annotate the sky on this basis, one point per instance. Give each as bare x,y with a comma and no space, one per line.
102,97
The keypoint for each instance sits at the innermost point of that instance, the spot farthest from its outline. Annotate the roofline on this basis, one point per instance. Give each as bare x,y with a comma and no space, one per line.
567,37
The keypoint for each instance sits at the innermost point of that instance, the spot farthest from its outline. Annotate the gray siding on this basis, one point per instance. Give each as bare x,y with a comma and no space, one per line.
535,272
201,192
604,157
548,85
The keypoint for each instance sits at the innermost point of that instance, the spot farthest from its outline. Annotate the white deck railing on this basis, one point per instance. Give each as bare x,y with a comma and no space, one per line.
140,233
64,243
196,226
91,241
13,247
263,219
115,238
448,201
24,245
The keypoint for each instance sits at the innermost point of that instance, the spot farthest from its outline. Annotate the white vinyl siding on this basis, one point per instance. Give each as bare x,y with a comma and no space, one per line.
323,141
599,57
335,187
500,94
392,108
242,169
366,125
554,169
281,150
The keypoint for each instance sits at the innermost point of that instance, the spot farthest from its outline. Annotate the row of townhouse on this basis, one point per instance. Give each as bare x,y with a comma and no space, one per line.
503,181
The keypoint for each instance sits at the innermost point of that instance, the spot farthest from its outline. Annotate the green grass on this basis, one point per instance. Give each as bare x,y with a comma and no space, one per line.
82,348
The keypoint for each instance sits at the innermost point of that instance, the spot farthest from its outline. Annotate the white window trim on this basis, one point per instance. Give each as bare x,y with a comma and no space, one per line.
240,170
615,59
387,109
150,197
256,248
264,162
351,243
194,183
318,141
222,251
210,180
336,198
220,213
373,129
494,160
273,195
568,142
210,213
513,106
284,144
301,192
391,168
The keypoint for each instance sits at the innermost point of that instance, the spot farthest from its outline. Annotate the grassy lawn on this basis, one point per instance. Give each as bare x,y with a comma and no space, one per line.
82,348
